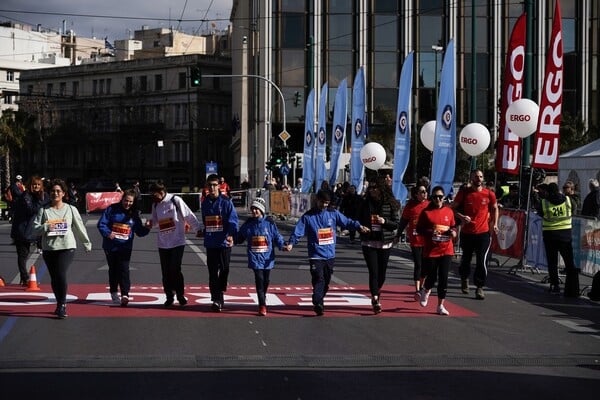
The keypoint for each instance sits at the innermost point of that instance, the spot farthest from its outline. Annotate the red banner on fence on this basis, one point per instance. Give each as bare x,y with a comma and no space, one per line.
511,231
98,201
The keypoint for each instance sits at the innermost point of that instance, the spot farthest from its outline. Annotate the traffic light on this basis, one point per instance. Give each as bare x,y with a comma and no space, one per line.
299,162
195,76
297,98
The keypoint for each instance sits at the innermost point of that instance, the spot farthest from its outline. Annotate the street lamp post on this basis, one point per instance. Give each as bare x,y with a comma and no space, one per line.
437,50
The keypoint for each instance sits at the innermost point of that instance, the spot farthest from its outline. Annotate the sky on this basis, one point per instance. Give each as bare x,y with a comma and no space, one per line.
118,19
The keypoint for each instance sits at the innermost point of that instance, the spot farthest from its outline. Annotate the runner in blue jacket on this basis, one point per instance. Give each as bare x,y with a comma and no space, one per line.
118,224
262,236
320,224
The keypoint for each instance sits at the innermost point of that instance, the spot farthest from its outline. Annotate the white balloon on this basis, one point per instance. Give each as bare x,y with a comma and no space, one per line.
474,139
427,134
522,117
372,155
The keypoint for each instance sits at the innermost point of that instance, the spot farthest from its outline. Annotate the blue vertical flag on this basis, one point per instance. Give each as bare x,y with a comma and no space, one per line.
402,142
321,171
308,171
340,113
444,142
357,170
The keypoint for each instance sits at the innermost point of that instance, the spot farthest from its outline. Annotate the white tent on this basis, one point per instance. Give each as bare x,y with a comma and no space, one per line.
580,165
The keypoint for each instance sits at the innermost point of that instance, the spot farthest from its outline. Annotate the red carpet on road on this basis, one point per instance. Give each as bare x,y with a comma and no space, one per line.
240,301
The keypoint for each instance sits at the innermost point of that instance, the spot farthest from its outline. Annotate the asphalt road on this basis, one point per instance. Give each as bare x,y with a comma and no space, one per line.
520,342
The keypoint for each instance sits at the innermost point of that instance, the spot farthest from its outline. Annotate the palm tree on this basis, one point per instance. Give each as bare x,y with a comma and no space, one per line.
13,129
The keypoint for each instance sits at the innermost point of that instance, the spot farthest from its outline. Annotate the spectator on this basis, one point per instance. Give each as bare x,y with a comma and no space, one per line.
591,203
319,225
220,228
224,187
569,189
349,207
512,199
556,212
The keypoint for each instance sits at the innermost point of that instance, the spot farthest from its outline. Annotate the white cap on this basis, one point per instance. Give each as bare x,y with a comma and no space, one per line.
19,177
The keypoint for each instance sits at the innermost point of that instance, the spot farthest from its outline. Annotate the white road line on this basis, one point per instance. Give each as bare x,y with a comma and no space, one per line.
577,326
197,250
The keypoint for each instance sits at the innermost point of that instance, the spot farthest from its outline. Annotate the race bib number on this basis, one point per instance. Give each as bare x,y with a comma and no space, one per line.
58,227
259,244
325,236
213,223
375,225
166,225
121,231
439,233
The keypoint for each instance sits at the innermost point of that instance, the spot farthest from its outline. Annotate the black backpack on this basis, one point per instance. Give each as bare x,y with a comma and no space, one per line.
594,293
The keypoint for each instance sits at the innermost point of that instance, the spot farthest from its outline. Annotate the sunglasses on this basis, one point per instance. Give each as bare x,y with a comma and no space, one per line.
422,191
437,196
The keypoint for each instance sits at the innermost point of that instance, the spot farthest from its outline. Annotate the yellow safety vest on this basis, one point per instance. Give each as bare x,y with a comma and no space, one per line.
556,216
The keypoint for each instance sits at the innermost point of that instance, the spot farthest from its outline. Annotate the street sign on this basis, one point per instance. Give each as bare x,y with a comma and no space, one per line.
284,136
284,169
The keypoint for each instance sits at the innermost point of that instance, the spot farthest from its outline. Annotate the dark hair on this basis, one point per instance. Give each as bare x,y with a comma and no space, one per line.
323,195
157,186
436,188
212,178
387,196
133,209
63,187
552,188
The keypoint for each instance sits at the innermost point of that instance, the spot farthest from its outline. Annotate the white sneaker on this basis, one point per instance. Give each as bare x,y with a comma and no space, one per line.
425,298
115,298
442,310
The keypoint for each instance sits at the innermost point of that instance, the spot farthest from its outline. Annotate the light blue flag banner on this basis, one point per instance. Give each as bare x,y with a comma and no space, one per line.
357,170
338,136
402,140
321,171
308,171
444,143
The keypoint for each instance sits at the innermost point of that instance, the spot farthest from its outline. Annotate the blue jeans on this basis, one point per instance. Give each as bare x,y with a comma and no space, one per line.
321,272
261,279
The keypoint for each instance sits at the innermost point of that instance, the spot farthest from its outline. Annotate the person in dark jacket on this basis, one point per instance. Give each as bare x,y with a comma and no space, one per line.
556,211
25,208
118,224
591,203
262,236
349,207
380,212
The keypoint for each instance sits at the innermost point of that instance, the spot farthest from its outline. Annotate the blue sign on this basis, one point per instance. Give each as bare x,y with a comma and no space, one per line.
284,169
211,168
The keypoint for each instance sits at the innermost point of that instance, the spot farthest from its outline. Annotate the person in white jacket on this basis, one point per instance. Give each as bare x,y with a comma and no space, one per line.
173,218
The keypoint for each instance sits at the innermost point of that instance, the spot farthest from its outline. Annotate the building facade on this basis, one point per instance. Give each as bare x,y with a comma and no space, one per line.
129,120
299,45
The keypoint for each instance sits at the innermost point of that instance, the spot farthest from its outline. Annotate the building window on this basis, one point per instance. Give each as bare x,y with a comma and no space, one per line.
128,85
101,86
49,89
75,88
108,83
63,89
177,114
158,82
180,152
95,87
182,80
143,83
10,76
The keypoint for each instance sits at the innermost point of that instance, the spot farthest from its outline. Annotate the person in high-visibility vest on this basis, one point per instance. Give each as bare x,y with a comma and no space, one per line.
556,211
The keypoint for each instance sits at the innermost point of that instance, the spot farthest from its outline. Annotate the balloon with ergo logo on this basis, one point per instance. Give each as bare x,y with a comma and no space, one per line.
372,155
522,117
427,134
474,138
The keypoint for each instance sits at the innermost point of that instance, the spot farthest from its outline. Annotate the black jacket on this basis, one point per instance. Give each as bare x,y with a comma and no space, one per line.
389,228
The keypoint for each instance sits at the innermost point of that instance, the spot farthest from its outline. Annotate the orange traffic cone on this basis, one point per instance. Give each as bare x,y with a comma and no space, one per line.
2,282
33,285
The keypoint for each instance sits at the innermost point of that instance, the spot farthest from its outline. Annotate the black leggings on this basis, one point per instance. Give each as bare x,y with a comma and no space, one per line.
438,267
377,262
58,262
